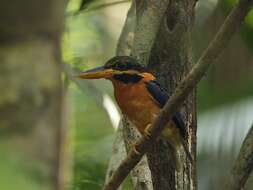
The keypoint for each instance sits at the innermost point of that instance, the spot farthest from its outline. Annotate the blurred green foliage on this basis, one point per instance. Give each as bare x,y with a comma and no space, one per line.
86,44
92,141
19,172
10,170
209,96
247,28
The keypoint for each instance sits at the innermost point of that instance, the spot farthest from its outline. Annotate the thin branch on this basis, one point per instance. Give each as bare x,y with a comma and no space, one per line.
96,7
232,22
101,6
243,165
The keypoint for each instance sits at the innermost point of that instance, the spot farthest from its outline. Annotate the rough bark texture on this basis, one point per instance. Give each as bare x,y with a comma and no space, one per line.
149,15
165,26
30,83
171,59
158,18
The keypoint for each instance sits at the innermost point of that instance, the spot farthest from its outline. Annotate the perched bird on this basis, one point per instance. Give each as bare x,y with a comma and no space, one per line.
140,97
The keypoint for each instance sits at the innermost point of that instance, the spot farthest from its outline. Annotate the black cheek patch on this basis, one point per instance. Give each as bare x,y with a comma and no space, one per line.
128,78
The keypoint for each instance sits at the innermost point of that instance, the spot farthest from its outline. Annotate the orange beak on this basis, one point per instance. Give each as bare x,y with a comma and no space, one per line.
96,73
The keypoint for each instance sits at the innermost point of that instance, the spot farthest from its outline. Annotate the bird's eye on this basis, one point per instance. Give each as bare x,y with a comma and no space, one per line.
108,66
122,66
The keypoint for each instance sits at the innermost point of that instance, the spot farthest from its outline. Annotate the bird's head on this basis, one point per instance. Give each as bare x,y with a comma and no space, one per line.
121,68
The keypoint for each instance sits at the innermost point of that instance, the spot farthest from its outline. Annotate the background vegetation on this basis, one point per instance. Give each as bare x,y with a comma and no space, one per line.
91,33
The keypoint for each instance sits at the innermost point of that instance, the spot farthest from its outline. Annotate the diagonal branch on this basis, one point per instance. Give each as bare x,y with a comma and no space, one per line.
243,165
231,24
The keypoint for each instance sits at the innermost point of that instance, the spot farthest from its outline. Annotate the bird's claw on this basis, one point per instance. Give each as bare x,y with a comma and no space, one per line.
147,133
135,149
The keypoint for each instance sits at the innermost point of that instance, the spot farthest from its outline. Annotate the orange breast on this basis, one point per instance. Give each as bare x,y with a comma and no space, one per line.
135,101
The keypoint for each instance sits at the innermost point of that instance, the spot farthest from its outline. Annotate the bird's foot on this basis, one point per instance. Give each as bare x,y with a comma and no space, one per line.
135,149
147,133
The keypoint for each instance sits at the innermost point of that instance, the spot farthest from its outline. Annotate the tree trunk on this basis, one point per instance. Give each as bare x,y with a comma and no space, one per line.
30,83
161,40
163,177
170,58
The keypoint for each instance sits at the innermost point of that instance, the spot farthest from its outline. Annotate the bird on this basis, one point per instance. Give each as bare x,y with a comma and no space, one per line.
141,97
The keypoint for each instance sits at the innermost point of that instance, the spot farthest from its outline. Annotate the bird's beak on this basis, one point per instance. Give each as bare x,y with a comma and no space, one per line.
96,73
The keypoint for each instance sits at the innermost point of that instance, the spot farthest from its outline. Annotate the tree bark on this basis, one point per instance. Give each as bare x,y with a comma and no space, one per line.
165,28
30,82
140,175
154,24
182,92
171,59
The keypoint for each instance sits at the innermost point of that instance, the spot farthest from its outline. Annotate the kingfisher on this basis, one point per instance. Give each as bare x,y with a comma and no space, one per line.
141,98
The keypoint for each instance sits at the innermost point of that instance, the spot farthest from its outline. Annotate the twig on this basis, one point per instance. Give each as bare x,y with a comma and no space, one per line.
101,6
96,7
232,22
243,165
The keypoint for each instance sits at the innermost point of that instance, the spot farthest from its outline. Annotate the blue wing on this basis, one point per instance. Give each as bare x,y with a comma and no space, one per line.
161,96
